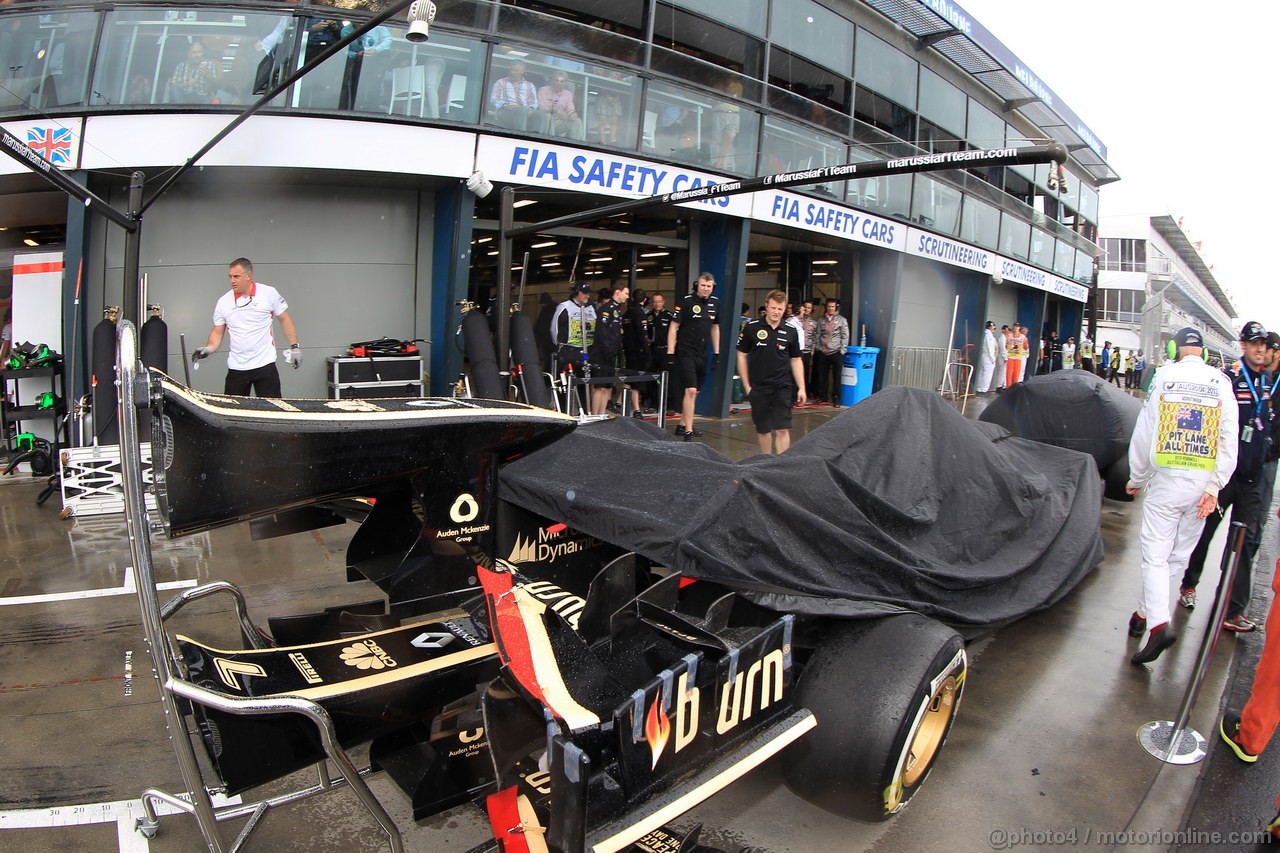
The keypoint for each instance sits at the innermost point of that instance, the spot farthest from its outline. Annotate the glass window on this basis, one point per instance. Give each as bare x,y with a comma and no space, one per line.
941,103
748,17
559,96
884,114
984,129
1084,271
792,74
936,205
627,18
1042,248
681,124
447,71
611,104
705,39
885,70
887,195
602,38
805,28
1088,203
162,56
788,147
934,139
838,122
44,60
1015,236
1064,259
980,223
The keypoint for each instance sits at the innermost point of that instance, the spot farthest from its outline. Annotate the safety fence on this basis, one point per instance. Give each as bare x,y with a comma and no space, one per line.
919,367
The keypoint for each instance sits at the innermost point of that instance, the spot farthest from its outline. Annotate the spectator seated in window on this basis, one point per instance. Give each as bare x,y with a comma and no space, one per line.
195,79
555,101
514,100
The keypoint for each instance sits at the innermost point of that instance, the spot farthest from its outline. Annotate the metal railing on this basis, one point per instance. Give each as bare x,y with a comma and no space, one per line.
919,367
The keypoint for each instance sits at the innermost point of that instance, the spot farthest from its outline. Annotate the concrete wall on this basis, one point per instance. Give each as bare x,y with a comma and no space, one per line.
926,300
348,258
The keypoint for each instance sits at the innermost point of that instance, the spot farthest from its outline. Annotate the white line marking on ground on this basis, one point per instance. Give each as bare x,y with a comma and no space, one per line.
127,589
123,813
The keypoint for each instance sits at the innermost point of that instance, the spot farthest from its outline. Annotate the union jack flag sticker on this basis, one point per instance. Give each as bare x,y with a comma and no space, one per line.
53,144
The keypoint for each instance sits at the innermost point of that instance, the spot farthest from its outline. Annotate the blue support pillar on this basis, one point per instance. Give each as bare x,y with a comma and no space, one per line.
1031,311
722,251
451,228
879,275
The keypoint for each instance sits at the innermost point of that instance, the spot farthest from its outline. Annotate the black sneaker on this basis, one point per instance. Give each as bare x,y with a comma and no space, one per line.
638,414
1137,625
688,436
692,433
1160,639
1229,728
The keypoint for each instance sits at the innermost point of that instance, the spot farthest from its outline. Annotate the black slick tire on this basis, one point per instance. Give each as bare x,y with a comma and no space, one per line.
885,693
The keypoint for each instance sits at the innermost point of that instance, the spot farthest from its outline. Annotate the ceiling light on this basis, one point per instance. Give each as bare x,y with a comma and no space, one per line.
550,264
752,264
524,202
484,239
546,245
821,263
600,260
29,241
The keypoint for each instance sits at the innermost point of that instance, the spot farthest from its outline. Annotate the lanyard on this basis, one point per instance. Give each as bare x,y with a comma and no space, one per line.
1257,397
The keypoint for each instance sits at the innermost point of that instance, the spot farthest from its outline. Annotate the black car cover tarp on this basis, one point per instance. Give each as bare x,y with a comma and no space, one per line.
900,502
1069,408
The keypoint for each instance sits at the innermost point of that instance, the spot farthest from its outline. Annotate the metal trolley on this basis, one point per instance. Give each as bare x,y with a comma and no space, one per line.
178,695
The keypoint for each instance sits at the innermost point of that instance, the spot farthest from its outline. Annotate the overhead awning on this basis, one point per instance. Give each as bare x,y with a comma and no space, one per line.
1187,252
944,26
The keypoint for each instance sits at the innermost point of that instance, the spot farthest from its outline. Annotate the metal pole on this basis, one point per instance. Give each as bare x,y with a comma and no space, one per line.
132,308
951,335
1173,742
20,151
186,365
131,388
506,216
1055,152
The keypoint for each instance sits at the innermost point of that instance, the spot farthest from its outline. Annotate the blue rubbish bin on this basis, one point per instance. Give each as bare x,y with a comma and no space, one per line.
858,374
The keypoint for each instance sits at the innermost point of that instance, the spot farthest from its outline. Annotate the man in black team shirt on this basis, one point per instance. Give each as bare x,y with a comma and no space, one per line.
605,351
772,373
659,325
694,320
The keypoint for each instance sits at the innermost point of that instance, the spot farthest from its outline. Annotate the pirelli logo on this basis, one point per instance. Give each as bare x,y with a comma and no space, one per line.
304,666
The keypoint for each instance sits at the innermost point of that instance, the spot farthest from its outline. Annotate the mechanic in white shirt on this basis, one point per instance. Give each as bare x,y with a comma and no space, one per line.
247,312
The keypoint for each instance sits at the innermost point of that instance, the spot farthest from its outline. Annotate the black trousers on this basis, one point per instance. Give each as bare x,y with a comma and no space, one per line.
1248,505
826,372
264,381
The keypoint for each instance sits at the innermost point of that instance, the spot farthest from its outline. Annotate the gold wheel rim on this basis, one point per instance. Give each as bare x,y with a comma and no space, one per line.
927,738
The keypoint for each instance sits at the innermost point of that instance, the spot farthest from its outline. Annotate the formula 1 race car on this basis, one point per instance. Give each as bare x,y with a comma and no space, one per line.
584,665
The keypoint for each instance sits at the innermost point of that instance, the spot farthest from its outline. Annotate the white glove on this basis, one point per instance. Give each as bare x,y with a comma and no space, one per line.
293,355
202,352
